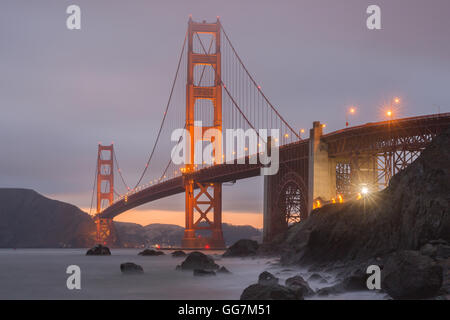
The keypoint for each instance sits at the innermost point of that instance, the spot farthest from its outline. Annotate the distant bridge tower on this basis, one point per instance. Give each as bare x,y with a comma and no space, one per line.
209,195
105,193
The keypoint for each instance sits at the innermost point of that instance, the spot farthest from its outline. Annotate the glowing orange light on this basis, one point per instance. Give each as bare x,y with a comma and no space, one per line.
157,246
302,131
317,204
359,196
397,100
352,110
286,135
333,200
389,113
340,198
324,125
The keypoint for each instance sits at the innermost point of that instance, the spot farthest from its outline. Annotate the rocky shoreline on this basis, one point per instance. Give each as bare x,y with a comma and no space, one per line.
404,229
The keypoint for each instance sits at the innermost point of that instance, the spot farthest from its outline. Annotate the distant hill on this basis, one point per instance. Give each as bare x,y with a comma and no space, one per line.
132,234
30,220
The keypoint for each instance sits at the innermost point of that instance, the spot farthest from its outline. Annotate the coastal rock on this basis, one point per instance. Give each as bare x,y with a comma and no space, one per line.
198,260
242,248
267,279
297,283
203,273
151,252
270,292
411,275
178,253
223,270
98,250
131,268
317,277
437,249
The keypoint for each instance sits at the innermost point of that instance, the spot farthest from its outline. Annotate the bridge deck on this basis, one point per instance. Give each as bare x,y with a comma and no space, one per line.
341,141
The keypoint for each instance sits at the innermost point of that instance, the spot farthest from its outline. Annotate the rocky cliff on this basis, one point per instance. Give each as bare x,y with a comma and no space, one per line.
411,212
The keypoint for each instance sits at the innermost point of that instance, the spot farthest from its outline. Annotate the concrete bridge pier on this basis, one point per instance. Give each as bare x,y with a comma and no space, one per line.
321,169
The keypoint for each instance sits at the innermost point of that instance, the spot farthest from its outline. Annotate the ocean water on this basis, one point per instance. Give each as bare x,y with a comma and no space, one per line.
41,274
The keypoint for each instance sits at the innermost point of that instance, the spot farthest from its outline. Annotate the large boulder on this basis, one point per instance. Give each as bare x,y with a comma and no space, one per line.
178,253
267,279
203,273
151,252
242,248
98,250
270,292
198,260
411,275
297,283
317,277
223,270
437,249
355,280
131,268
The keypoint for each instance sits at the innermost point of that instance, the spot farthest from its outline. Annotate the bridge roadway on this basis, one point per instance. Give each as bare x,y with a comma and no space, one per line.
367,137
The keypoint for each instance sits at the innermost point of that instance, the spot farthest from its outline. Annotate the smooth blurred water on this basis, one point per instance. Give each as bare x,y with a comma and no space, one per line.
41,274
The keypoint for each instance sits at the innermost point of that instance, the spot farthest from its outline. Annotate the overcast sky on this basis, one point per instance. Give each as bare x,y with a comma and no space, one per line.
62,91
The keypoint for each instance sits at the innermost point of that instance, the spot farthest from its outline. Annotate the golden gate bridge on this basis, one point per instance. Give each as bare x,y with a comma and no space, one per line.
212,89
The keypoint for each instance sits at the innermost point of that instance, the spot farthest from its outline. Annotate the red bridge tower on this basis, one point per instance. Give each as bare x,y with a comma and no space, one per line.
209,195
105,193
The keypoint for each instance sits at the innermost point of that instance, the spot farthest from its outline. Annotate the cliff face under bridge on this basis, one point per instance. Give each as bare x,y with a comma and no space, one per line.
412,211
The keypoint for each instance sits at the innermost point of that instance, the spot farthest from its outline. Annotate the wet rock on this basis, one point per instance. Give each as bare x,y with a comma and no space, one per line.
131,268
203,273
323,292
428,250
356,281
443,252
270,292
317,277
151,252
178,253
267,279
437,249
242,248
297,283
98,250
411,275
198,260
223,270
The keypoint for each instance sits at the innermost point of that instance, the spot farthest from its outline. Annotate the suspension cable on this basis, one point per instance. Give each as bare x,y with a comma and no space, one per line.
165,115
95,182
119,170
256,85
229,94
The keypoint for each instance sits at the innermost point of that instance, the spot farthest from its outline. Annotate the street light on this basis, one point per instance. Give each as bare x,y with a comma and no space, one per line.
351,110
301,131
364,190
389,113
395,102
